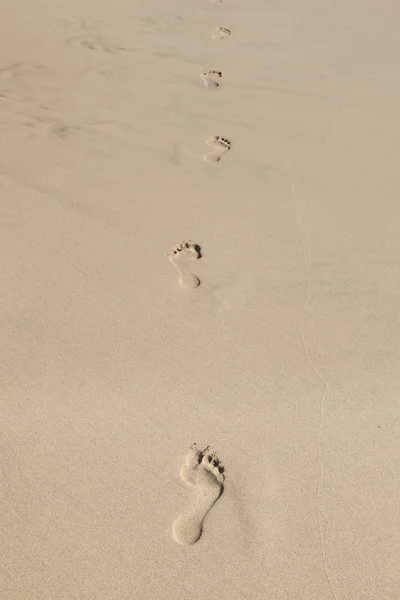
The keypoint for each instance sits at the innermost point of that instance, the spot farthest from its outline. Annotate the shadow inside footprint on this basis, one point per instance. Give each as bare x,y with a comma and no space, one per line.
198,250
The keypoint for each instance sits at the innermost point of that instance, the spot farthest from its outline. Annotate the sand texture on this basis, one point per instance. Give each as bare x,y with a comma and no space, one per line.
266,136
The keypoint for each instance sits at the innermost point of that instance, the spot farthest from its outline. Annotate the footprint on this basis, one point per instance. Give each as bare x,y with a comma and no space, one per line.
181,253
58,129
220,33
219,145
203,471
10,71
210,78
20,82
158,23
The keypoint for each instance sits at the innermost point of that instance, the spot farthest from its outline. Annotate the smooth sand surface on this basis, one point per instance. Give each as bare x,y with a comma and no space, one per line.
285,360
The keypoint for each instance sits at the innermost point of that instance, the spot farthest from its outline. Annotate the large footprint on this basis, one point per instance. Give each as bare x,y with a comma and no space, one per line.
203,471
178,256
219,146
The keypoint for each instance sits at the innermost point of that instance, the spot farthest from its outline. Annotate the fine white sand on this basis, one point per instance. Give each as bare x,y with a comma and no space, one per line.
284,358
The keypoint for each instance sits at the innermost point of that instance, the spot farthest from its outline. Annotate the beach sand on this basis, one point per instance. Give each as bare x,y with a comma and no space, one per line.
284,357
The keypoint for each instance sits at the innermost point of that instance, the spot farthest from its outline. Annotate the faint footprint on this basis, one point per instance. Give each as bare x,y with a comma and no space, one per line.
10,71
220,33
18,81
219,145
58,129
161,22
210,78
203,471
178,256
177,154
94,43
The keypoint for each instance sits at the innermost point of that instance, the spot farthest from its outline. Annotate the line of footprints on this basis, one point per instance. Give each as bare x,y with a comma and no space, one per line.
202,469
212,79
188,250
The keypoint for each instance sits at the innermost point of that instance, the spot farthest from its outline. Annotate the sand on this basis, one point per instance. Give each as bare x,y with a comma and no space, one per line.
284,359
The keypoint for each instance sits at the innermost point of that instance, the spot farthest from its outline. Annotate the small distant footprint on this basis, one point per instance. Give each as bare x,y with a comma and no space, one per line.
58,129
204,472
219,146
210,78
178,256
10,71
220,33
18,81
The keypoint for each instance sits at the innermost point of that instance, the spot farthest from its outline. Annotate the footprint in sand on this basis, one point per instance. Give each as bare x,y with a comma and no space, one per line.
178,256
219,146
210,78
58,129
220,33
204,472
